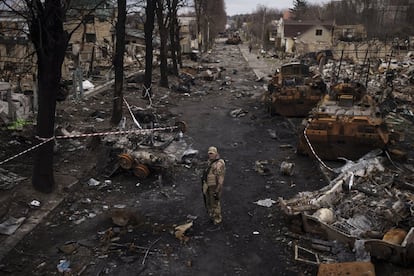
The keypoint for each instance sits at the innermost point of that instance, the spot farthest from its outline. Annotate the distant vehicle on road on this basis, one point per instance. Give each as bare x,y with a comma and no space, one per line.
234,39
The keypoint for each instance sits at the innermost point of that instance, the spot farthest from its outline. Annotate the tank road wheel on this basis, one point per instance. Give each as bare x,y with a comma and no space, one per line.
141,171
181,125
126,161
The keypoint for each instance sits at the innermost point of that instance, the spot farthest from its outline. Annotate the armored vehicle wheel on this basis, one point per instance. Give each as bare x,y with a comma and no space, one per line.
126,161
141,171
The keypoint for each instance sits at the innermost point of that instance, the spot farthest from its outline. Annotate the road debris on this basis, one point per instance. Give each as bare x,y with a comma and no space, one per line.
268,202
179,231
8,179
9,226
287,168
360,204
349,268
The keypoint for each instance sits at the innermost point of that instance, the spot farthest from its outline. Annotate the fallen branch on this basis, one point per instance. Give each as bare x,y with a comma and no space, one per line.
149,248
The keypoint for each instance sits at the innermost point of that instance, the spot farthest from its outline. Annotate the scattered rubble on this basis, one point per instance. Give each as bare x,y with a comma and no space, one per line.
9,226
361,203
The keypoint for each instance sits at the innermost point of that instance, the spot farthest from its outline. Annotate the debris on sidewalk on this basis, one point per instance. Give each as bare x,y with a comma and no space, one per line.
268,202
64,266
287,168
8,179
9,226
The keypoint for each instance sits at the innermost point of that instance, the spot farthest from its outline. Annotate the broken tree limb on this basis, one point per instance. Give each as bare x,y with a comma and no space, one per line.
149,248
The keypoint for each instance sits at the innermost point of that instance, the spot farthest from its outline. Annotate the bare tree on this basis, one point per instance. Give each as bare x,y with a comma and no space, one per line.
199,7
174,29
260,23
119,63
149,29
211,19
50,39
162,27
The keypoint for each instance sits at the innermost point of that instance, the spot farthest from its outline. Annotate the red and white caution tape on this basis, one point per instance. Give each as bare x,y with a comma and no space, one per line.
46,140
121,132
23,152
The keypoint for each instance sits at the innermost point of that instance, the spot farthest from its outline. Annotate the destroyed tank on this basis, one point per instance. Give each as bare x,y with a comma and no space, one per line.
293,90
346,123
234,39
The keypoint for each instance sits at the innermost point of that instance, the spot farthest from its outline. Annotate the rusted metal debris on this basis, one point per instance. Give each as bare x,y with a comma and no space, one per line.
348,268
151,152
365,205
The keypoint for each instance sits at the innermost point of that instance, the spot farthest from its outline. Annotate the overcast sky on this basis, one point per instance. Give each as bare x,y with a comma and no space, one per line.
249,6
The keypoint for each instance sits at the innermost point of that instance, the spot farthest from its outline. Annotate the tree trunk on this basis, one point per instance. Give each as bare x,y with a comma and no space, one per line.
172,9
50,41
177,42
206,30
119,63
198,4
43,177
163,47
148,29
91,65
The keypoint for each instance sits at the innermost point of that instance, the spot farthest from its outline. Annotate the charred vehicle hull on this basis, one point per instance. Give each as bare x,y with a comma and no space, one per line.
234,39
294,91
346,124
294,101
350,138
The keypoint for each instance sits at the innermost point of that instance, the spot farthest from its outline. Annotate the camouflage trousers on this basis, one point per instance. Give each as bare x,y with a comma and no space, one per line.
212,202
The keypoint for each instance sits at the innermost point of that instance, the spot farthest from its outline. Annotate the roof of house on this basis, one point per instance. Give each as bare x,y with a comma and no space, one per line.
91,3
296,28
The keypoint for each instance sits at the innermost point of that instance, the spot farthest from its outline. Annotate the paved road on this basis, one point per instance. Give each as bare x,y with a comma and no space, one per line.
252,240
261,66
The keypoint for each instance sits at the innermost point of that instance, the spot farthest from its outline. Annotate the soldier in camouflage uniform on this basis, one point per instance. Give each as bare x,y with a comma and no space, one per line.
212,181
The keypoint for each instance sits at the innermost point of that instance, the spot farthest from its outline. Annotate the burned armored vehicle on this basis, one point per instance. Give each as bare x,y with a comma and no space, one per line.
293,90
234,39
346,123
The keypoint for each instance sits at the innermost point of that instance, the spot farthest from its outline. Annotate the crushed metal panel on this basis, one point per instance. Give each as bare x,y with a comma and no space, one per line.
304,255
360,213
329,231
349,269
400,254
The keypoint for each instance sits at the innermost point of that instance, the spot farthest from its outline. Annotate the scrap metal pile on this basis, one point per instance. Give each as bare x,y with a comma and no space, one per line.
365,201
152,150
368,204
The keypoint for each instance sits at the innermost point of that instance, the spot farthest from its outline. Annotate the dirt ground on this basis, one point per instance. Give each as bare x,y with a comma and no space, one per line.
77,230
